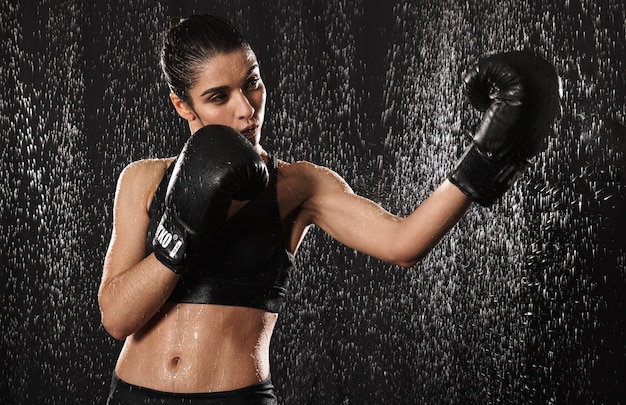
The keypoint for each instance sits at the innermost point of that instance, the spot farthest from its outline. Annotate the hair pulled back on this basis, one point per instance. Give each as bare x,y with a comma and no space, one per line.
190,42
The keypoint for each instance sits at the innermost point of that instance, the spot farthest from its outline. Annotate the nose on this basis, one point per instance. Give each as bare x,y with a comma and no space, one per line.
244,108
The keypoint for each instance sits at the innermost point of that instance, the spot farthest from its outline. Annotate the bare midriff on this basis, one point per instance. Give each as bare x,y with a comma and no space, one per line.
191,348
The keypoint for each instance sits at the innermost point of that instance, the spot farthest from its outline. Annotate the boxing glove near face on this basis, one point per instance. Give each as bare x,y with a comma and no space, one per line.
216,165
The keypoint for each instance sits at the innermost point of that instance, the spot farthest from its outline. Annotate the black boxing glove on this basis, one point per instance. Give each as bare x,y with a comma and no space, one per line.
519,95
216,165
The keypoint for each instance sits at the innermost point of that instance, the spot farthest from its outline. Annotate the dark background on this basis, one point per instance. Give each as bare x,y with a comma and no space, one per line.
520,303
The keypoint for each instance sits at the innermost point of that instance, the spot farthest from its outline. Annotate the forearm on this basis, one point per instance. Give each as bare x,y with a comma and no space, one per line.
128,300
424,228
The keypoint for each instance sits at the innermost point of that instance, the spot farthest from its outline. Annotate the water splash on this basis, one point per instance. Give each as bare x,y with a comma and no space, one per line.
520,303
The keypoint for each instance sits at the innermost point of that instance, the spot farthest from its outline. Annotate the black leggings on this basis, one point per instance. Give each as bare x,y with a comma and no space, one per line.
123,393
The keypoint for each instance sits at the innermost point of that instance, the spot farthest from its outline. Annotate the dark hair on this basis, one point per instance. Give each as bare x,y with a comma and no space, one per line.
190,42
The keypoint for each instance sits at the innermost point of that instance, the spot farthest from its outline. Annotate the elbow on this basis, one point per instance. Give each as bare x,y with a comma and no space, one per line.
407,257
407,262
117,331
112,323
404,260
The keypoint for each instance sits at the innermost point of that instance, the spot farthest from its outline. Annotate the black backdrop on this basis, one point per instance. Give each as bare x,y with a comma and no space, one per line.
520,303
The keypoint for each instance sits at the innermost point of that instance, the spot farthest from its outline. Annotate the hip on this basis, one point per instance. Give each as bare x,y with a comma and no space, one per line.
123,393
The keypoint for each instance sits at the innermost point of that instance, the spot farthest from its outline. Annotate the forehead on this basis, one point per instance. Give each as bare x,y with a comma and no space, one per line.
224,68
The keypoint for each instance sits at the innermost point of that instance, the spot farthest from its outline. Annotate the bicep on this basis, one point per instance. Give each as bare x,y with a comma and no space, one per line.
352,220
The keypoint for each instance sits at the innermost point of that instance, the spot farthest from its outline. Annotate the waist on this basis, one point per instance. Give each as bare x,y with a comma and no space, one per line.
199,348
261,392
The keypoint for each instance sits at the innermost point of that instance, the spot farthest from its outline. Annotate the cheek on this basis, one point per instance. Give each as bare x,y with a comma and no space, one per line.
259,102
214,116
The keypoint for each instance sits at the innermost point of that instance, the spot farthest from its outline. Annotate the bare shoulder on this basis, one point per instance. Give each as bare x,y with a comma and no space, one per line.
311,176
140,179
295,169
146,169
304,185
143,172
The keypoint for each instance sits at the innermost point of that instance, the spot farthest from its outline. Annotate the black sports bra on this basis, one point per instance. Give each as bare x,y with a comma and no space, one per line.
246,262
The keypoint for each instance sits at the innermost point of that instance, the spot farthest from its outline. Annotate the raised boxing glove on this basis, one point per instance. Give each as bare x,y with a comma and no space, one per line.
216,165
519,95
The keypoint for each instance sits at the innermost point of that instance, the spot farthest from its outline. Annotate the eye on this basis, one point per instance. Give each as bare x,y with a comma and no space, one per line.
254,82
218,98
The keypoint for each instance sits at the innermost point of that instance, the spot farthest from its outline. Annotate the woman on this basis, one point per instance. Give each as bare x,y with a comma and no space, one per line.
215,349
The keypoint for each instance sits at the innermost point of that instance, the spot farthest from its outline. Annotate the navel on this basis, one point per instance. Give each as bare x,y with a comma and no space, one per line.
175,362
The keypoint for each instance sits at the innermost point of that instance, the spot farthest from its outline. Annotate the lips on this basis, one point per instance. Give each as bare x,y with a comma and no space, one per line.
250,132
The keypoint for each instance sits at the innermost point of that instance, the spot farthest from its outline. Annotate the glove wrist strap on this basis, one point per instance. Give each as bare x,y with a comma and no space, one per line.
485,179
169,243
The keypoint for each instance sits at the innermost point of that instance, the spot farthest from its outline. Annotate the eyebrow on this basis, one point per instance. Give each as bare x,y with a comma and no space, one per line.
221,88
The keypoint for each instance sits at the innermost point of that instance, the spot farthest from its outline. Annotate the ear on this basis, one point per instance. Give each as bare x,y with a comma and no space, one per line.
182,108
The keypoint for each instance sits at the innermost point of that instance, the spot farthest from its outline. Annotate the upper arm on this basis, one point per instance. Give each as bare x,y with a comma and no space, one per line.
130,220
354,221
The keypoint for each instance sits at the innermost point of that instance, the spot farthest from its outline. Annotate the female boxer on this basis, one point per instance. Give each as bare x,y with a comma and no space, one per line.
203,244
